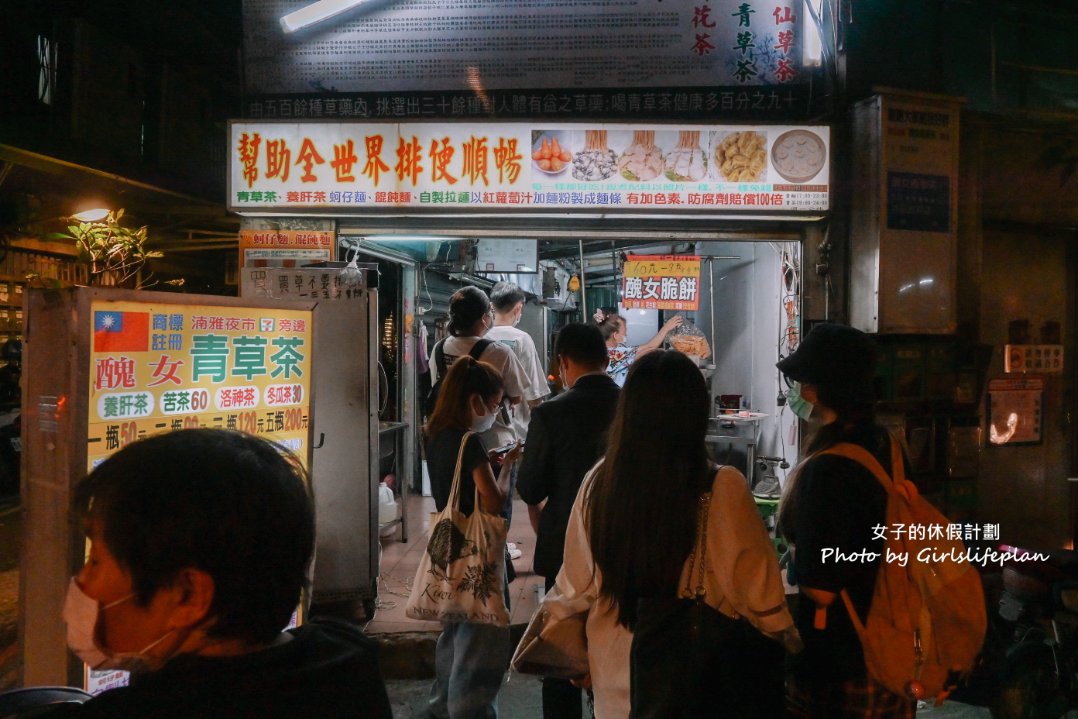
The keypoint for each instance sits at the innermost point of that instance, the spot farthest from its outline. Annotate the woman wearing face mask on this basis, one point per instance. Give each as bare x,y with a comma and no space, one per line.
622,356
470,318
470,659
832,501
200,544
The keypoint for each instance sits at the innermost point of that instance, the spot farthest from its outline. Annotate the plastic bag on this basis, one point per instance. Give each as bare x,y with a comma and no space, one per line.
688,339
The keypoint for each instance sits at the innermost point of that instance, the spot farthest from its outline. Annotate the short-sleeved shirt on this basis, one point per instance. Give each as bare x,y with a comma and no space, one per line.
442,451
838,502
502,358
523,347
621,357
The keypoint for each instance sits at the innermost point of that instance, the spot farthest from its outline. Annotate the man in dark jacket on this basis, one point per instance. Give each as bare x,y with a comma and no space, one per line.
200,544
566,436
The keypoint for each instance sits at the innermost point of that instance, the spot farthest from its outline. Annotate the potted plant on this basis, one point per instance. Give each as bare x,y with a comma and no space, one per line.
115,254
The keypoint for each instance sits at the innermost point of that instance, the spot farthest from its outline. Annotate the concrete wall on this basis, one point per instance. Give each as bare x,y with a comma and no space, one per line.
1024,488
1014,264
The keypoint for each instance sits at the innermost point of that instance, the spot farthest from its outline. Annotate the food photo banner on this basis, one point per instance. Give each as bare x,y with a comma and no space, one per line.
356,167
661,282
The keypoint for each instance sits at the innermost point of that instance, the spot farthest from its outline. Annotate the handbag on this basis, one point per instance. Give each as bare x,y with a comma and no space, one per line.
555,643
461,575
691,660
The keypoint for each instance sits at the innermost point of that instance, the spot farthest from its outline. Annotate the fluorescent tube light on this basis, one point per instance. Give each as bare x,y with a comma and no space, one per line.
316,13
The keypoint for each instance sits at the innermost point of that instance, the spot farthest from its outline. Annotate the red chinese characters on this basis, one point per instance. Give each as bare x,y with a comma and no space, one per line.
476,157
507,160
375,165
344,157
409,155
248,150
440,159
308,157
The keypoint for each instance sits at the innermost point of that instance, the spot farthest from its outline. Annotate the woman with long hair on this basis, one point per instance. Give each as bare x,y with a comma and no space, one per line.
633,525
835,502
621,355
470,659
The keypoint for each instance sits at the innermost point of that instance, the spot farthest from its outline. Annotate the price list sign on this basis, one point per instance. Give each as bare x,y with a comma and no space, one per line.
162,367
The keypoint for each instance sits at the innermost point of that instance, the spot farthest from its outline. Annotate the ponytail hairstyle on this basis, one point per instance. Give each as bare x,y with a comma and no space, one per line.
466,307
465,377
610,323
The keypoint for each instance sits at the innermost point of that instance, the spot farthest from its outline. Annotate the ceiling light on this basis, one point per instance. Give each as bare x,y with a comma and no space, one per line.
316,13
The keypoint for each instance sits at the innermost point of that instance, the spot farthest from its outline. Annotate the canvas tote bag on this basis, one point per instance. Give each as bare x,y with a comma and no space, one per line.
461,576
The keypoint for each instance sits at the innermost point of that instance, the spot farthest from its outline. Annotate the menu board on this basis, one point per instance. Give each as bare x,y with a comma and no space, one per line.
390,60
161,367
358,167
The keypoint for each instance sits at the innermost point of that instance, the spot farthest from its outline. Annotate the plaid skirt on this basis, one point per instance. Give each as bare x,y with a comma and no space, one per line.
854,699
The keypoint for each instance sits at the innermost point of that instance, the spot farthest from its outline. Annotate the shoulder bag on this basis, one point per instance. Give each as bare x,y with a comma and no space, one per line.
461,576
690,660
555,644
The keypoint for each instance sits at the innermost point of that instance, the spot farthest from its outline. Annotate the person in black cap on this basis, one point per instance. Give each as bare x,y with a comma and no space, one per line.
834,502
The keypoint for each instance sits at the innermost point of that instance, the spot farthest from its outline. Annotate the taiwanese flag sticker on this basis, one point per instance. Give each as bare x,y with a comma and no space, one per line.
121,331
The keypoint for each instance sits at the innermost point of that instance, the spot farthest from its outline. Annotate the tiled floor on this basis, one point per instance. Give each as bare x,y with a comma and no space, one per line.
401,559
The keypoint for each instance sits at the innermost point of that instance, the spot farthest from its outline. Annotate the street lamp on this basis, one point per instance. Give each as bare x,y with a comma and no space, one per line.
92,215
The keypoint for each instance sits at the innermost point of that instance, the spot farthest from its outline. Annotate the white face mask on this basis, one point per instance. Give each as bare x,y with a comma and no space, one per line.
484,422
81,615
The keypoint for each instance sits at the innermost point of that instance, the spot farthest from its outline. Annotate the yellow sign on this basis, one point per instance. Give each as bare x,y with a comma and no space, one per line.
160,367
661,282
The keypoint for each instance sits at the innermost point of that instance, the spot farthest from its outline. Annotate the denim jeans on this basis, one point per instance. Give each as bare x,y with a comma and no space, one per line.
507,510
470,661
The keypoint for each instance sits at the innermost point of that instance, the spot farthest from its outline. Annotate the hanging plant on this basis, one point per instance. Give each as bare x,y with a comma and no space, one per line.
115,254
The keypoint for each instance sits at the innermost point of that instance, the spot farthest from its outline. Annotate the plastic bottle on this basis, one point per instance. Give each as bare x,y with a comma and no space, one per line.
387,504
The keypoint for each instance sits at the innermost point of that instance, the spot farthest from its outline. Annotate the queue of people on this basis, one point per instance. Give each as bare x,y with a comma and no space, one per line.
191,575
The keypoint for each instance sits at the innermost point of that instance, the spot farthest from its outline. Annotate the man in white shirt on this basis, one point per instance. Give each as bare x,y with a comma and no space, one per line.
508,302
508,299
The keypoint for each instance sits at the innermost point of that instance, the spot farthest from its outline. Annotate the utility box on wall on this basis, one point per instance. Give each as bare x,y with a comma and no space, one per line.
903,219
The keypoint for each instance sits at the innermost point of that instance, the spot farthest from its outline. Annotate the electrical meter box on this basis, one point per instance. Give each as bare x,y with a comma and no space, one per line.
903,220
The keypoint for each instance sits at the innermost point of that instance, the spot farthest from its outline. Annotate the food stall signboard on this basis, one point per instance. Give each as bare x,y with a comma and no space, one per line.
285,248
661,282
160,367
357,167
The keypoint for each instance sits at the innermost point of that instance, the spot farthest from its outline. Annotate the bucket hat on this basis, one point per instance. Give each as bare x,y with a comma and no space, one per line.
834,356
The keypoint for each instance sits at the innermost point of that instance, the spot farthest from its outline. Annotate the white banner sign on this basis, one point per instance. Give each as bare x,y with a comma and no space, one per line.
452,167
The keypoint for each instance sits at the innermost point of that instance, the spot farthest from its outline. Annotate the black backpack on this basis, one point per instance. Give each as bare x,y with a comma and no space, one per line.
439,359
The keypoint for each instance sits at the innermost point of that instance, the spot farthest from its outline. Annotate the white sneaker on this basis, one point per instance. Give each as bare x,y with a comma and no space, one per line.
514,550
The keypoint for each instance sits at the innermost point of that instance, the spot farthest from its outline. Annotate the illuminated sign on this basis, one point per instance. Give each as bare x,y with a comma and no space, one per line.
362,167
159,367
